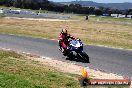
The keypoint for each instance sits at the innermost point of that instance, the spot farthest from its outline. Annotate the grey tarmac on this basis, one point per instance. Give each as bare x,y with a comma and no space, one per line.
110,60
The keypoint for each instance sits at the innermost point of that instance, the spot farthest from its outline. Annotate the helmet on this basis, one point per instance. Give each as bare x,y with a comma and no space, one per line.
64,32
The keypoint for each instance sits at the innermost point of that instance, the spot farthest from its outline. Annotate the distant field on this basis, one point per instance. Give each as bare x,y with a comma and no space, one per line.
111,19
97,33
105,19
42,11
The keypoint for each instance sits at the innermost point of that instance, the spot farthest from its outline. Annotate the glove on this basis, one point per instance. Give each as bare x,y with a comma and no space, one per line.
78,39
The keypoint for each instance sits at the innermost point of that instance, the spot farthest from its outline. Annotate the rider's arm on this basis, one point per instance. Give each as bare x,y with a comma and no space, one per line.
60,37
72,37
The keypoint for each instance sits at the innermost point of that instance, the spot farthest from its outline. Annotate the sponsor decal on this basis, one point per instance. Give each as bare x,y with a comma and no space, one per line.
85,80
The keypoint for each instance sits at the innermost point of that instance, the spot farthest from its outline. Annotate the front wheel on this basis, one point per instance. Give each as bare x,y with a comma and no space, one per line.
85,57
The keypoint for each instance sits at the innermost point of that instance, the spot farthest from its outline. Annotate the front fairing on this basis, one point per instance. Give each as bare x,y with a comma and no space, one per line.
76,45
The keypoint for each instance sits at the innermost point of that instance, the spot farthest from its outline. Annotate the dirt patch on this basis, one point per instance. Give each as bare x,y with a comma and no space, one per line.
75,69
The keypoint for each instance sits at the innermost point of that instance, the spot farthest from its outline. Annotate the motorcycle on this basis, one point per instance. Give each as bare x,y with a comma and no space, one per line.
75,49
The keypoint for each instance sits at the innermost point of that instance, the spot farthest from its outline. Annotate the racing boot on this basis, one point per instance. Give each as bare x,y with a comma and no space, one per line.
65,52
60,49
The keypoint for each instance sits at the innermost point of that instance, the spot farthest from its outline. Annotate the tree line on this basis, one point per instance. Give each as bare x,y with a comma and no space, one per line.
72,8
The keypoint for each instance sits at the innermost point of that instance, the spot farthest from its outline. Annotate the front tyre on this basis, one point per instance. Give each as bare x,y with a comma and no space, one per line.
85,57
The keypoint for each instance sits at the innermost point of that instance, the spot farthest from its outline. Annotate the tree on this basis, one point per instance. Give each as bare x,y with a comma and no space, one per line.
98,12
130,11
2,2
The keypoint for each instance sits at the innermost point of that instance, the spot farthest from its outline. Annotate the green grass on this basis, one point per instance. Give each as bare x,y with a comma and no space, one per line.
3,6
18,72
2,15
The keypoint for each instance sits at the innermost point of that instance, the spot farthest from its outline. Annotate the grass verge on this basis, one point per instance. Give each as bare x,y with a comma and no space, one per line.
18,72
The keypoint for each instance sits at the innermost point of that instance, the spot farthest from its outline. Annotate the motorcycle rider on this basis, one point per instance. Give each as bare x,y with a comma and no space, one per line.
63,40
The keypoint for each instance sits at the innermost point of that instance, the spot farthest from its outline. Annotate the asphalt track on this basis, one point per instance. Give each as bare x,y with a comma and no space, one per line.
109,60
